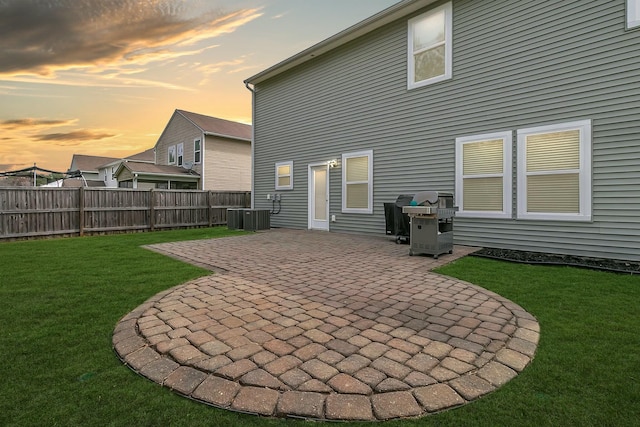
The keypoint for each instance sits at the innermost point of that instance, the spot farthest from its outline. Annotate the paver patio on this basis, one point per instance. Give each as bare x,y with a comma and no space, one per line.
325,326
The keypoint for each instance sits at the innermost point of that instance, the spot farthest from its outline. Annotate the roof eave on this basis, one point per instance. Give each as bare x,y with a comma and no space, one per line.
370,24
167,175
220,135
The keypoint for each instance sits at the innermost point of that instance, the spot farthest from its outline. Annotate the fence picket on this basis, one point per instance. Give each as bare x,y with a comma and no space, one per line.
42,212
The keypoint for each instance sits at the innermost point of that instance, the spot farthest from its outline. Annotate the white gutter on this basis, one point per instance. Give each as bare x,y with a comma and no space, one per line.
253,145
226,136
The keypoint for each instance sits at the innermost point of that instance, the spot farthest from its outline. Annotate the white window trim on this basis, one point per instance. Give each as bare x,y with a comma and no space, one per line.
284,187
196,151
180,157
584,126
175,157
633,14
411,84
345,209
507,175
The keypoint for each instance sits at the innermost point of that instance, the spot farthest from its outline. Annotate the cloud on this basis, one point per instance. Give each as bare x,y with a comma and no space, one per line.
75,137
33,123
44,36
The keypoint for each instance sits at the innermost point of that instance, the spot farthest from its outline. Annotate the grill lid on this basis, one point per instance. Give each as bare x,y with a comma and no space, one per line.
430,197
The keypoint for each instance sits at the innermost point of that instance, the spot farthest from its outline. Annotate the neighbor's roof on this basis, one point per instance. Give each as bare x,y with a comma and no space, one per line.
218,127
85,163
79,182
145,156
153,169
397,11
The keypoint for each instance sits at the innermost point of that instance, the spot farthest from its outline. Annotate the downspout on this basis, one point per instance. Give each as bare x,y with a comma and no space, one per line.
253,145
202,163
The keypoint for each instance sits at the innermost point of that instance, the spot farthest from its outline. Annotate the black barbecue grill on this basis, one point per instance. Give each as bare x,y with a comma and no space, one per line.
397,222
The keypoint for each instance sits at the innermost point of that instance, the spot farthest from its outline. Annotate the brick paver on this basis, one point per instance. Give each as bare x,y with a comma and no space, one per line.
325,326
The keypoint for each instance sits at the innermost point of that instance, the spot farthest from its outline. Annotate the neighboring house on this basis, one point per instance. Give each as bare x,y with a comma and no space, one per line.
217,151
107,171
148,176
529,111
88,167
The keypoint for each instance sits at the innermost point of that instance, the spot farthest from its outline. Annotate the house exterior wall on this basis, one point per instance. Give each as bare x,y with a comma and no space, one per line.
227,164
107,176
515,65
179,130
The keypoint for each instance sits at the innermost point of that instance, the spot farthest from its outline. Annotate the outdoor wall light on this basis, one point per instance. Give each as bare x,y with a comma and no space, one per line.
332,163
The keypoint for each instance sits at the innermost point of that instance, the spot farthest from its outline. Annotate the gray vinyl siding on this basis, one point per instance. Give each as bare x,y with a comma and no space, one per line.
515,65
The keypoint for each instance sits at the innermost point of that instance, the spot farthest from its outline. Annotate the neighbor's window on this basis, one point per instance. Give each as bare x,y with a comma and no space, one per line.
180,154
554,172
430,47
172,155
633,13
483,175
357,182
284,176
197,151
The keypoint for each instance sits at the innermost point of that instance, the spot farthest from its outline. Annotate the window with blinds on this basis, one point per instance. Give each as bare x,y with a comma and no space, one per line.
357,182
483,175
284,175
554,172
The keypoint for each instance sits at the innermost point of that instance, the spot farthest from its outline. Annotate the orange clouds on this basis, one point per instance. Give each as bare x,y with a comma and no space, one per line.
42,37
76,137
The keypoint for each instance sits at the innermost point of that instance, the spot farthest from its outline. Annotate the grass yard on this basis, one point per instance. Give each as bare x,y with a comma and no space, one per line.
60,300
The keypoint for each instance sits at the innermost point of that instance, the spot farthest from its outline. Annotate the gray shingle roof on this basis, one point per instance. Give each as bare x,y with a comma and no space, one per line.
219,127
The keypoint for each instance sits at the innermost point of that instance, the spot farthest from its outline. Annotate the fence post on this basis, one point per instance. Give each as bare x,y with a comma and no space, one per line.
81,211
152,210
210,205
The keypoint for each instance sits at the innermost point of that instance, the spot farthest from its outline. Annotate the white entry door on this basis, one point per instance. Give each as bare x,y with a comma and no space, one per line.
319,196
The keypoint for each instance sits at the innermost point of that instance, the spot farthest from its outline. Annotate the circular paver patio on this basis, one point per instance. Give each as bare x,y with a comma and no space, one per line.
325,326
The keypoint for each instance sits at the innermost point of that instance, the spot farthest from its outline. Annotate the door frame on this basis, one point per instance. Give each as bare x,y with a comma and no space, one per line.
311,195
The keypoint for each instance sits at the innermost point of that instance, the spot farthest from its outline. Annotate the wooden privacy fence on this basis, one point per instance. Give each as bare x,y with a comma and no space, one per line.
32,212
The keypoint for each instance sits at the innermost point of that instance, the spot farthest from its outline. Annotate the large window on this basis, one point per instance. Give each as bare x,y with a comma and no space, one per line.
483,175
633,13
430,47
284,175
357,182
197,151
171,155
180,154
554,172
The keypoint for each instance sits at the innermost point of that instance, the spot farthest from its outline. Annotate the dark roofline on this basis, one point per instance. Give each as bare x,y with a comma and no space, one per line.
124,165
370,24
182,113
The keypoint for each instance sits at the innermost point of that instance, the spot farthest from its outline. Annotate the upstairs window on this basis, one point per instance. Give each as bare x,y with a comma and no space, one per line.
430,47
180,154
284,176
633,13
483,175
357,182
197,151
554,172
171,155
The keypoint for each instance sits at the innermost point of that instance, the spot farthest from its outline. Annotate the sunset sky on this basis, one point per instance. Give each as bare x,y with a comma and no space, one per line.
102,77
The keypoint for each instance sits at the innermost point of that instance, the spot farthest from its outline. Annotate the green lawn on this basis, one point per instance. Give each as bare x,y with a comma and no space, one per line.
60,300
